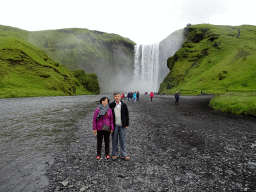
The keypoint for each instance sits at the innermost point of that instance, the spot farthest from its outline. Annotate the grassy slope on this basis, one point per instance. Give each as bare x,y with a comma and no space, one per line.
214,62
75,45
27,71
78,48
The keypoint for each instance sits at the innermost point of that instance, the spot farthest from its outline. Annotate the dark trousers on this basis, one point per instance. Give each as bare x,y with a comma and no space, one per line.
100,135
177,101
151,98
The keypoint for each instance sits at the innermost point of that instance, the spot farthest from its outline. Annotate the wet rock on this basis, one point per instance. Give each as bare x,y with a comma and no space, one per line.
64,183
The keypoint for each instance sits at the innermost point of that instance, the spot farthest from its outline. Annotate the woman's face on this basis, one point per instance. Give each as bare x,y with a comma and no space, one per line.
105,102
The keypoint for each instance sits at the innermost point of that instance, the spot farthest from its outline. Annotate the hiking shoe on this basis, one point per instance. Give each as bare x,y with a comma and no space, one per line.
114,158
98,158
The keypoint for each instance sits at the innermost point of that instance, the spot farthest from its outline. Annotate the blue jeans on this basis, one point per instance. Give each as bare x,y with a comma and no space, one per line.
119,132
134,99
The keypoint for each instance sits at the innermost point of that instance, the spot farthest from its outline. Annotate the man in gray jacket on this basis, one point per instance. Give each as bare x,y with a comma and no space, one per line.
121,123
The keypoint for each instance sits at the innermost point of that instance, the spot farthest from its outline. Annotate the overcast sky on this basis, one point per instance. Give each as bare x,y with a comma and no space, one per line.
142,21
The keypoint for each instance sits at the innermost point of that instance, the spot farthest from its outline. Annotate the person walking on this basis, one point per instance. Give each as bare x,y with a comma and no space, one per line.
102,115
138,96
151,95
121,123
134,96
122,96
128,96
125,95
177,97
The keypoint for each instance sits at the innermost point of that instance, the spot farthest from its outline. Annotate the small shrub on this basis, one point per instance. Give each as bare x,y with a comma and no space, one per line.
221,77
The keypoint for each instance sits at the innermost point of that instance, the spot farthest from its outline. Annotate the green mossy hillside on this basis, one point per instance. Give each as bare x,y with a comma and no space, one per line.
213,59
89,81
26,71
79,48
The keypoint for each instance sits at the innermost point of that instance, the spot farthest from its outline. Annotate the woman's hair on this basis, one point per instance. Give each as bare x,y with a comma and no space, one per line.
103,99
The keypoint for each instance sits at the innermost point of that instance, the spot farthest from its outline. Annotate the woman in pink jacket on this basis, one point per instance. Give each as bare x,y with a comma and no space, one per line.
151,95
102,115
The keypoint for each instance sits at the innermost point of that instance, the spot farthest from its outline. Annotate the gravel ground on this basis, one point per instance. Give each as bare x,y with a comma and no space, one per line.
189,147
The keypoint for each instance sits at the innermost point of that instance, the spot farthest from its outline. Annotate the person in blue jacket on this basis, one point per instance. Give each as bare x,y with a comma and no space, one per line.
177,97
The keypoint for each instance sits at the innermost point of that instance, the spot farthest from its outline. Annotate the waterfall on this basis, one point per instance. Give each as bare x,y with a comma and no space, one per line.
150,62
146,67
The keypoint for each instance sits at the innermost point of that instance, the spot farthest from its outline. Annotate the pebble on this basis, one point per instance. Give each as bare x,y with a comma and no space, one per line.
64,183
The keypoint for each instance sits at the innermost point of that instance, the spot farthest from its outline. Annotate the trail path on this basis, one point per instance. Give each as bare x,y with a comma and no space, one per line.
189,147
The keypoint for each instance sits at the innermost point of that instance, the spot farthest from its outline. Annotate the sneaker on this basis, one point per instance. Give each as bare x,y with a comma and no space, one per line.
107,157
126,158
98,158
114,158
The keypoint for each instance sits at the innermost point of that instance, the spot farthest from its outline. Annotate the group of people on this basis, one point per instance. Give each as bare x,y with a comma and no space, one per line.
131,96
115,116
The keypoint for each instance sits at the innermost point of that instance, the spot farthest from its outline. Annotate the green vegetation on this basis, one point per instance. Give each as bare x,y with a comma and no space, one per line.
26,71
214,60
89,81
92,51
235,102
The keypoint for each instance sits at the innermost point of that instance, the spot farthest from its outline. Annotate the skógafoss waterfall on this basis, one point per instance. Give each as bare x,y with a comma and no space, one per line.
150,62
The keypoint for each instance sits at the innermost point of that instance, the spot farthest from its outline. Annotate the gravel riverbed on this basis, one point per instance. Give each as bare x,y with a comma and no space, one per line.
189,147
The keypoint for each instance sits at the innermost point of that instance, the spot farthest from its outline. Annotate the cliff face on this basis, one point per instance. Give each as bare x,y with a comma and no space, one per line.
109,56
213,59
167,48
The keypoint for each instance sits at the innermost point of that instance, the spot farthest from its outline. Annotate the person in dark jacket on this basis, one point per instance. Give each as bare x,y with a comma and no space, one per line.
121,123
138,96
130,96
102,115
177,97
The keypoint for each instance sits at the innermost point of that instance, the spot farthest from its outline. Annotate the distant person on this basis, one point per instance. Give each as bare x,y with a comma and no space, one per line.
122,96
134,96
138,96
201,93
102,115
151,95
129,96
125,95
238,33
177,97
121,123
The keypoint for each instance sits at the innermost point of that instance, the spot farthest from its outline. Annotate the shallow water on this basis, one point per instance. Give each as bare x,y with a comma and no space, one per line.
32,130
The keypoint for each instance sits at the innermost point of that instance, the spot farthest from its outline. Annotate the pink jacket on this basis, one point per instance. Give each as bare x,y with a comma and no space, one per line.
97,125
151,94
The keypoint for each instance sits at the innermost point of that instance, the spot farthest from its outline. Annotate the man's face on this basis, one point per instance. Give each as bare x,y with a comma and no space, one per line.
117,97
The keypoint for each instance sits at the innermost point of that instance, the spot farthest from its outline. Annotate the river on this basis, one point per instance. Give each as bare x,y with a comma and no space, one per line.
32,130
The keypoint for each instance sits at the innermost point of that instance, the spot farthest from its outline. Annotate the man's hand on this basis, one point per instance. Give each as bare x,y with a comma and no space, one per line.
111,131
94,132
126,127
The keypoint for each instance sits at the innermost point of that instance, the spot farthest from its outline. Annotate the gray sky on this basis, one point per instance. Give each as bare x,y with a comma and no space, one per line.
142,21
